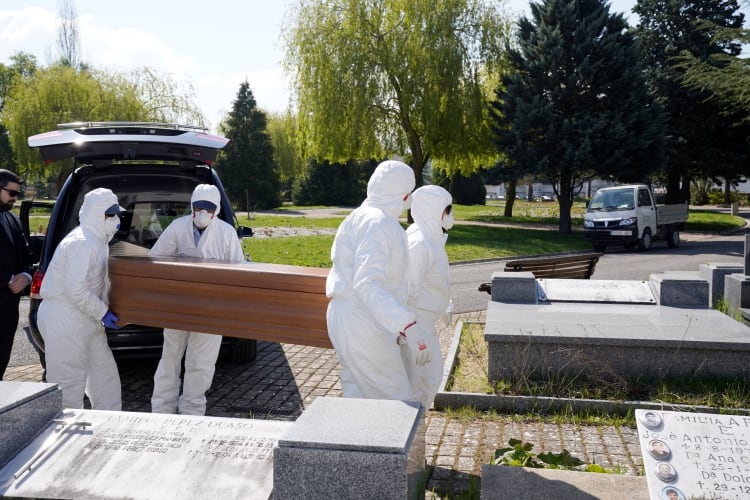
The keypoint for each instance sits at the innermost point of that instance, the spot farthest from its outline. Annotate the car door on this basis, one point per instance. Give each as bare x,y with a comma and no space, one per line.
646,211
34,215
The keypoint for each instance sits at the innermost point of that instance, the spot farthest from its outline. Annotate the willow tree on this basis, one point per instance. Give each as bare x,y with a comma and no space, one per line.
165,99
61,94
374,78
282,130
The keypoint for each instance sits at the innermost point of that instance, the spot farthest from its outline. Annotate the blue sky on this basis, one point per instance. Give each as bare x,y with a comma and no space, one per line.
214,46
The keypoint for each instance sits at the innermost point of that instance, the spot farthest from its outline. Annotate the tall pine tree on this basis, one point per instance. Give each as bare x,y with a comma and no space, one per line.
701,140
576,105
246,165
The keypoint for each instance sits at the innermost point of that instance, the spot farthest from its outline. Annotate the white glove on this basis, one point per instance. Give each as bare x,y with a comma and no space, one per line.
422,353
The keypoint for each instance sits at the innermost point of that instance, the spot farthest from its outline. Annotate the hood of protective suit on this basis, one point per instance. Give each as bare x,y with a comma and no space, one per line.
207,192
91,214
427,208
388,185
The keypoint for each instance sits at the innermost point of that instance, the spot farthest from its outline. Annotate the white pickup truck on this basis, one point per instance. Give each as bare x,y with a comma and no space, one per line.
627,215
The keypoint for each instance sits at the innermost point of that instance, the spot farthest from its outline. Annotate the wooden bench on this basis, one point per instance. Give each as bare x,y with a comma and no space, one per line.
570,265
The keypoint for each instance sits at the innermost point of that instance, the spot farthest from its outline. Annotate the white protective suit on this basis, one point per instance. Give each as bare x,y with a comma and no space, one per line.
429,281
76,296
368,289
219,241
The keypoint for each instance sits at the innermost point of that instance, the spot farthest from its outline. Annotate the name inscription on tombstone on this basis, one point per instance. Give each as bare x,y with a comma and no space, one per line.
144,455
695,455
610,291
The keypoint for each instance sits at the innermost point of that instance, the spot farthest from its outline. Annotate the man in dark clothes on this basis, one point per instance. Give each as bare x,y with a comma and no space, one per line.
15,264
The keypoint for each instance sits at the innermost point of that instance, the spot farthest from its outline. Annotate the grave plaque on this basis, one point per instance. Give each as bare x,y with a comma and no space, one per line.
695,455
103,454
610,291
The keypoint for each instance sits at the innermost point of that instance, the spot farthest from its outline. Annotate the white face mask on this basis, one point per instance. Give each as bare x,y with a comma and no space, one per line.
202,219
111,226
448,221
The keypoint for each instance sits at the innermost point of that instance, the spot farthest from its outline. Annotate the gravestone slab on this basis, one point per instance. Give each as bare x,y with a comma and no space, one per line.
515,288
737,291
501,482
25,409
352,448
680,289
695,455
715,273
632,340
610,291
106,454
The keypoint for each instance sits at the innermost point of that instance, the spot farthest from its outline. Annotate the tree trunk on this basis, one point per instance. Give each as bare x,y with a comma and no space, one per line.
566,225
673,187
510,197
727,192
685,189
565,201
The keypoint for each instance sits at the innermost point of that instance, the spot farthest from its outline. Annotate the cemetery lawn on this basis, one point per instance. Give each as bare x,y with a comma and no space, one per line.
306,240
470,375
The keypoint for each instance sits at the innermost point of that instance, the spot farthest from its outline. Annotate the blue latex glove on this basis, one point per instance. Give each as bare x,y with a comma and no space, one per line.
110,320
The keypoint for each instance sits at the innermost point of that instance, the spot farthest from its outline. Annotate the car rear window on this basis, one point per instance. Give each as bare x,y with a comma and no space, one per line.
152,195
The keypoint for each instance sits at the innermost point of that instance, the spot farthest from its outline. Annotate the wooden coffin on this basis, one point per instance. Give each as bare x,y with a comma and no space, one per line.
278,303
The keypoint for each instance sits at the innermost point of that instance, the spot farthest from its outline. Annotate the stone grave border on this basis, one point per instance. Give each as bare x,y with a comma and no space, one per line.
526,404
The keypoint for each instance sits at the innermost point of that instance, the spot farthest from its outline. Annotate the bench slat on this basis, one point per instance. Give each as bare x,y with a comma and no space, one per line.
569,266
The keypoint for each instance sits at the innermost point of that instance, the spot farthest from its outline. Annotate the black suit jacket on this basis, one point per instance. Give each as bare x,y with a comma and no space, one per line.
15,255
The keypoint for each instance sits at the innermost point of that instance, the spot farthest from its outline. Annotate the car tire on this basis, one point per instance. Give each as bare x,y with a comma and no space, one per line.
645,242
599,247
240,351
673,239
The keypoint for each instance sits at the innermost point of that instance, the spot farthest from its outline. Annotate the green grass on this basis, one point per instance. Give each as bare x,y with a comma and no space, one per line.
712,222
310,251
524,212
260,220
466,242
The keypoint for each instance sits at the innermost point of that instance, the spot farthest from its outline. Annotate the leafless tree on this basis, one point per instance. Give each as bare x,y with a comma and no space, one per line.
67,33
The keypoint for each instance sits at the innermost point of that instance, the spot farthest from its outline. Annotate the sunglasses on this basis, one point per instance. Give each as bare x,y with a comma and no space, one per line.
109,216
448,209
12,192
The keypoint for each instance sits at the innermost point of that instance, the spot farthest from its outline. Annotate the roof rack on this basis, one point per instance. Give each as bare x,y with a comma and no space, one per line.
177,126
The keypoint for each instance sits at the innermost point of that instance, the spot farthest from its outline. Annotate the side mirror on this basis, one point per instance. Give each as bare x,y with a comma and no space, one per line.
244,231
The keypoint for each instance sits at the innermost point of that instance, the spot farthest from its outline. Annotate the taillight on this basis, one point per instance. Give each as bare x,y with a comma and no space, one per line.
36,285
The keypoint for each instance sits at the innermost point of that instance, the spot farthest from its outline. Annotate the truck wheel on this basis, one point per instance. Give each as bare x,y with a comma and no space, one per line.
599,247
673,239
645,242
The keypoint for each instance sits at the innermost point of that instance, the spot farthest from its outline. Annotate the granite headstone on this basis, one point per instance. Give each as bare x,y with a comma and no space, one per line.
105,454
26,408
695,455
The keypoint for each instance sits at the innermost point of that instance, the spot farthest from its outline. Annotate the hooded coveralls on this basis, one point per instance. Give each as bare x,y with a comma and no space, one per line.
429,281
218,241
76,295
368,289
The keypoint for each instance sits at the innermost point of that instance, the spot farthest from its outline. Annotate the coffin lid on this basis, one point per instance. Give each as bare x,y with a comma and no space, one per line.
244,274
